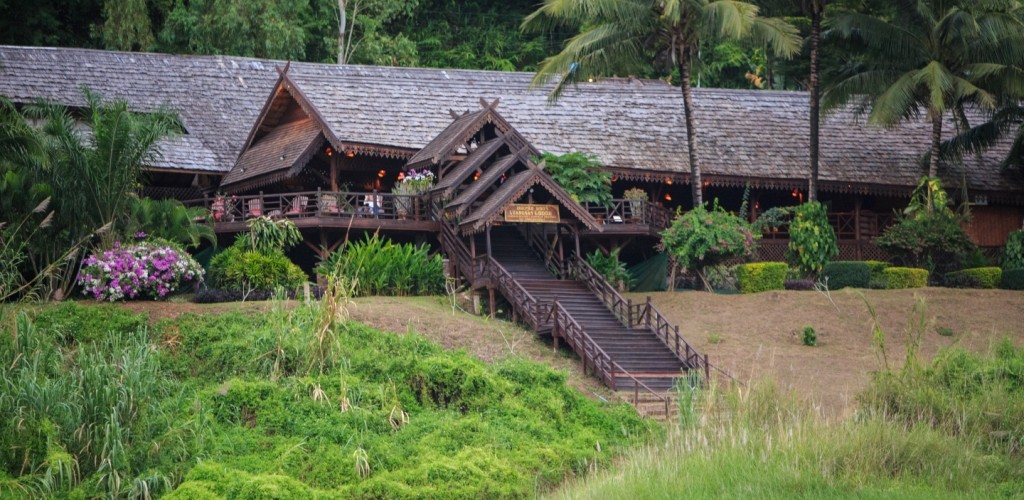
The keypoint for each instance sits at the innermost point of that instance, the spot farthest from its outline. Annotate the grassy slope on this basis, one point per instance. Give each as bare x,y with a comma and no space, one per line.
390,415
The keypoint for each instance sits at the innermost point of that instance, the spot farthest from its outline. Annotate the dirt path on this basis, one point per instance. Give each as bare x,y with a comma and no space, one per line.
757,336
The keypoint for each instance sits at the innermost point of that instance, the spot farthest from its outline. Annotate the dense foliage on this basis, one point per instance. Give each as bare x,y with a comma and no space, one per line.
241,269
904,277
121,413
761,276
1013,253
701,238
581,176
145,270
609,266
62,187
976,277
377,266
842,274
1012,279
169,220
812,241
929,234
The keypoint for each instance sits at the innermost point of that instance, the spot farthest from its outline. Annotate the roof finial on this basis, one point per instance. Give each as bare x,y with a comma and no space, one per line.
284,71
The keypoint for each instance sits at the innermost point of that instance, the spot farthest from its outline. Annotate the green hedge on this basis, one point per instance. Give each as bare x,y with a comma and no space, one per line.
841,274
977,277
1013,279
239,269
761,276
905,277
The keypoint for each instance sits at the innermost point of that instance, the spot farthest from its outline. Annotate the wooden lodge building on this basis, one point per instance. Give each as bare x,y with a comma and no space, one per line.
325,144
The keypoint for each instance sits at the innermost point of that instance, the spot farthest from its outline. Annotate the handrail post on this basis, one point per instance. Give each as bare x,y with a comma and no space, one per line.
629,311
707,370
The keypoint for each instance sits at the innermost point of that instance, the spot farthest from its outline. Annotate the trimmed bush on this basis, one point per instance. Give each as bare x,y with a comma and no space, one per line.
876,267
799,284
842,274
240,269
905,277
812,241
1013,253
1013,279
761,276
978,277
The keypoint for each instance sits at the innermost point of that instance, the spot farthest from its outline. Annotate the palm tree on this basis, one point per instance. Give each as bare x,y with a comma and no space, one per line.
1007,121
622,36
816,8
930,56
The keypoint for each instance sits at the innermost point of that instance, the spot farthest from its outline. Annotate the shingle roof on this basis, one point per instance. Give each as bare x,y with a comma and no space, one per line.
217,98
280,150
629,124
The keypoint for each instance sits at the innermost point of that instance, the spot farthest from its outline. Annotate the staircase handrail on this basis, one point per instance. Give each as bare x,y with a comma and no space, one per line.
531,308
636,315
457,250
606,367
544,249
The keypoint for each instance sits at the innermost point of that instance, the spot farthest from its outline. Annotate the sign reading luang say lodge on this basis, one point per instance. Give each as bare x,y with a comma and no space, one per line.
525,212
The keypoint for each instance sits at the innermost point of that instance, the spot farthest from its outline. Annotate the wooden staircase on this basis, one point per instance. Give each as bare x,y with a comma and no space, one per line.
630,347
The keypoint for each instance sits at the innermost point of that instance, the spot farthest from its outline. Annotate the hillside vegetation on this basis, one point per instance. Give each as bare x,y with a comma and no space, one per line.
269,404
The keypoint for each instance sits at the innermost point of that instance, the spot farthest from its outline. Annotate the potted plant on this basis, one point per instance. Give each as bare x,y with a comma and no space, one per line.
636,197
407,190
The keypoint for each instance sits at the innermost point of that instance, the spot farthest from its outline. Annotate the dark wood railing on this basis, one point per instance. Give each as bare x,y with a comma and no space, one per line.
638,315
622,211
236,208
564,326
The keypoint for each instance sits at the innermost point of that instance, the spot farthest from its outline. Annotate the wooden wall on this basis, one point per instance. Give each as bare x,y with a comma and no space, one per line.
990,225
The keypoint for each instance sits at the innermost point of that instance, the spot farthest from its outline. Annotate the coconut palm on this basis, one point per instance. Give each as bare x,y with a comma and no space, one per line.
929,57
623,36
816,8
1007,122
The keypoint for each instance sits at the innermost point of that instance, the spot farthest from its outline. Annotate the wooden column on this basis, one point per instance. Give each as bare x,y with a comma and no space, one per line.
489,241
334,170
576,235
490,296
857,202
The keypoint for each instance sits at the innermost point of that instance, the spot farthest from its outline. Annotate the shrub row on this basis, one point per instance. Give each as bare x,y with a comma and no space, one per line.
856,274
1013,279
978,277
761,276
904,277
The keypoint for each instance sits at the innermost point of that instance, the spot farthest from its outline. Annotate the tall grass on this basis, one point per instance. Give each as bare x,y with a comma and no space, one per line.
378,266
948,429
96,416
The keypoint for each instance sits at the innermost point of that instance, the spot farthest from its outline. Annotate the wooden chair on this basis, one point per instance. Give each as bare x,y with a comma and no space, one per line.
298,205
255,207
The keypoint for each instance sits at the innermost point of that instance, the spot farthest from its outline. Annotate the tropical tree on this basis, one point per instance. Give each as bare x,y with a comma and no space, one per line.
622,36
64,183
928,57
816,9
1006,122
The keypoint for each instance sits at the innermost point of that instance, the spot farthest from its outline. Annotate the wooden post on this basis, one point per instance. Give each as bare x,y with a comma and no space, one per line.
334,172
490,297
629,311
576,233
707,370
856,226
489,241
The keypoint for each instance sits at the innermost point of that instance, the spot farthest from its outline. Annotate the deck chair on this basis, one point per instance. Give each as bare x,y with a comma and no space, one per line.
255,207
298,205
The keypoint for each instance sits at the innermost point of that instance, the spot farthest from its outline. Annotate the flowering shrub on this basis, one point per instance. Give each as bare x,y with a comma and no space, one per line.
142,270
415,182
701,238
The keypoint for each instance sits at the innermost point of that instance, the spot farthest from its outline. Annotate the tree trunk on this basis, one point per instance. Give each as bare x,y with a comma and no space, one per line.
696,185
341,32
815,84
933,162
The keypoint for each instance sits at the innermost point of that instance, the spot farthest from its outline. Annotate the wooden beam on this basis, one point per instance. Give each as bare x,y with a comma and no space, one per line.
334,170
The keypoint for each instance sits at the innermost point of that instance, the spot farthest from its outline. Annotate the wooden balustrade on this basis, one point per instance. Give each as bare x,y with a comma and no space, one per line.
564,326
622,211
323,204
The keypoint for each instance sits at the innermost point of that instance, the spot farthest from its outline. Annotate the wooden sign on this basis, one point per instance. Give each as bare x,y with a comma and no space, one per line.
524,212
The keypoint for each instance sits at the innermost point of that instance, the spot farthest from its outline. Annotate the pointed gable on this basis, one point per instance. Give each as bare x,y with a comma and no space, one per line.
459,134
287,133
